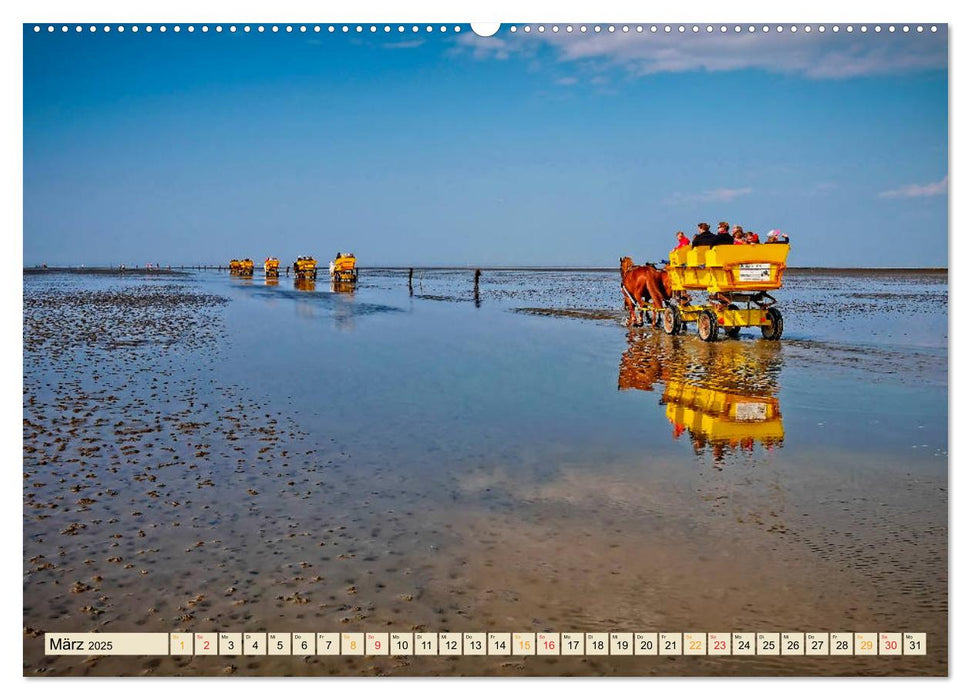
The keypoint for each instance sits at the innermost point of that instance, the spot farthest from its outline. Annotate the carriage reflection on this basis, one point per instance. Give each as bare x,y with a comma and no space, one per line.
338,287
304,284
721,397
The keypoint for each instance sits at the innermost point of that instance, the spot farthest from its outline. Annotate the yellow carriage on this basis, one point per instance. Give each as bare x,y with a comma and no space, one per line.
344,268
271,267
305,267
244,267
736,279
234,266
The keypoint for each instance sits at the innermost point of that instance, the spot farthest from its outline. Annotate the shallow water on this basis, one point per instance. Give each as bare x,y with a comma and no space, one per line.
213,453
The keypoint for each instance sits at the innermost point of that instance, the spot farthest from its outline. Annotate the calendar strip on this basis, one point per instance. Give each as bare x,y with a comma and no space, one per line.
487,644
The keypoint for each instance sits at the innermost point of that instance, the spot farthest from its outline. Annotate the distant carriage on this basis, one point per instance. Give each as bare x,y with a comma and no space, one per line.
305,267
245,268
343,269
271,267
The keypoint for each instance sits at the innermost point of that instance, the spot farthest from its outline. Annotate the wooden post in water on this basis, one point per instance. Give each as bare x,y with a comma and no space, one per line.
475,289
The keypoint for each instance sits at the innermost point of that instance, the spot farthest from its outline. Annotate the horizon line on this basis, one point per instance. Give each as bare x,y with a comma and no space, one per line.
496,268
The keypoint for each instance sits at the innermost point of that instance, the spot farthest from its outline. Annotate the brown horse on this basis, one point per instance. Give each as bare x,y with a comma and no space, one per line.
642,282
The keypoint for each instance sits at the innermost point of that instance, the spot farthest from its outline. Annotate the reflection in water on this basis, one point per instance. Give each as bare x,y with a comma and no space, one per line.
723,395
338,287
304,284
721,420
305,308
271,281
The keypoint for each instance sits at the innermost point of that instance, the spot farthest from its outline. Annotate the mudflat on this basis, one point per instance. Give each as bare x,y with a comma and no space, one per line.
206,453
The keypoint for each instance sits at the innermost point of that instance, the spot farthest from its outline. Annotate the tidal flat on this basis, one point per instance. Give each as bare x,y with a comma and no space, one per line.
205,453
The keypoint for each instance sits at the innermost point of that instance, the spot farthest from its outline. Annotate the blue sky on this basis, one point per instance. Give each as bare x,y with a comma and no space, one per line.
444,148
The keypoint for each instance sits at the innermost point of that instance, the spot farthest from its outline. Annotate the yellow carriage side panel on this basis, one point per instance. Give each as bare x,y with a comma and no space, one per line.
679,256
344,263
731,268
738,268
697,257
730,255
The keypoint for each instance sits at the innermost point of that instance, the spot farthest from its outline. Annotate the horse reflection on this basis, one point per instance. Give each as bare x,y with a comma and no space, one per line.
642,364
722,397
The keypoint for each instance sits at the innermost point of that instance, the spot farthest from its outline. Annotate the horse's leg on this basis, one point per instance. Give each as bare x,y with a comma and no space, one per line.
650,293
629,303
641,296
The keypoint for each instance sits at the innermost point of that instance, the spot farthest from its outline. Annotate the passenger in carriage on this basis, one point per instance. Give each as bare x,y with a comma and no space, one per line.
752,237
682,240
706,237
739,236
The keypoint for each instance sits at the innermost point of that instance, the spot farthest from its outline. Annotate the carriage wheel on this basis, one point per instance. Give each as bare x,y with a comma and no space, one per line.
732,331
774,330
707,326
672,321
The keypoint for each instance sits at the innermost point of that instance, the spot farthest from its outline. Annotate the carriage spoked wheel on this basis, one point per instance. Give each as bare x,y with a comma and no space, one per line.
732,331
707,326
672,321
773,331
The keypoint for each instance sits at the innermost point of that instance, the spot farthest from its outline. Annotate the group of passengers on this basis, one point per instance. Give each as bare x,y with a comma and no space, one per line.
738,236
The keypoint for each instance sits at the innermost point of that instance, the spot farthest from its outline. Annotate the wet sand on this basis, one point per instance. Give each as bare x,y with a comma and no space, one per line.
165,491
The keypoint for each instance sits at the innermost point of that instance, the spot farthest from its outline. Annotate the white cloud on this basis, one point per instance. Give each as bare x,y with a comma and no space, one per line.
486,47
406,44
814,55
720,194
566,81
929,190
